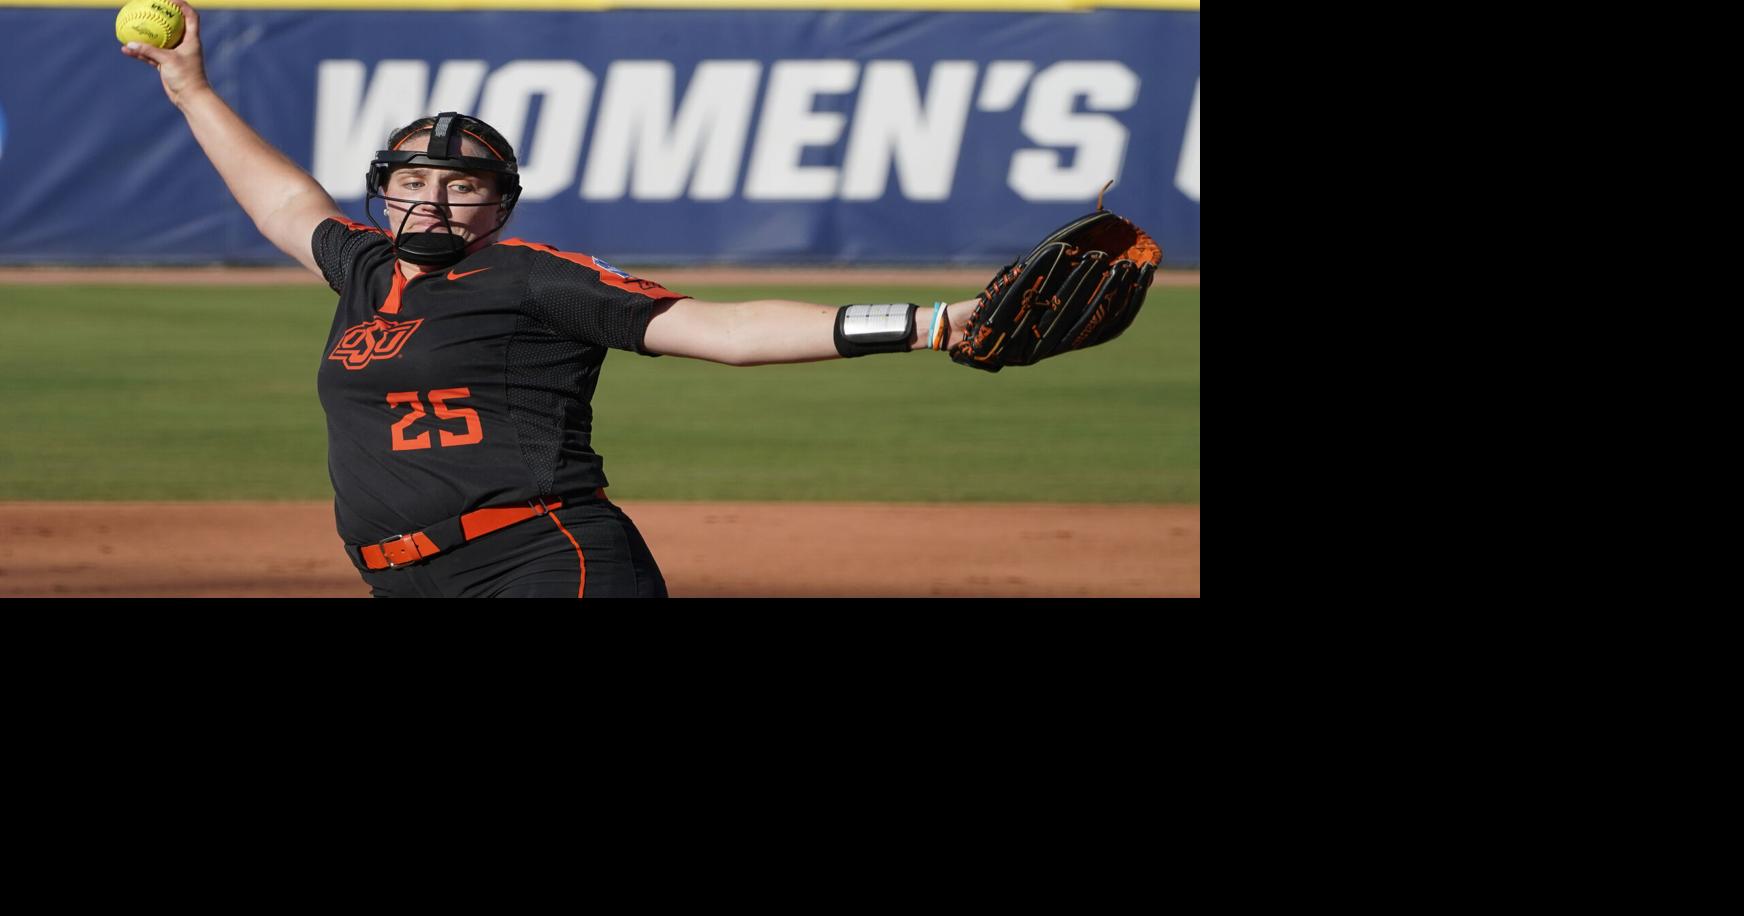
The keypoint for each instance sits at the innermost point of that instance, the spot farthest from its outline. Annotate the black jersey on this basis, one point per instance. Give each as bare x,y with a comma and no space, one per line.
466,387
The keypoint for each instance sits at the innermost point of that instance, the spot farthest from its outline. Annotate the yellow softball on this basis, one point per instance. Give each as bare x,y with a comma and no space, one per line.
152,22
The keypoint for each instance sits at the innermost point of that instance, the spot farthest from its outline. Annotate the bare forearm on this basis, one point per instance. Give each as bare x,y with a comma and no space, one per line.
769,331
284,202
262,179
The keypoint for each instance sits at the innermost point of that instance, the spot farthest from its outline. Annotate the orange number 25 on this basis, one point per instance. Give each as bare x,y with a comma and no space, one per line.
439,400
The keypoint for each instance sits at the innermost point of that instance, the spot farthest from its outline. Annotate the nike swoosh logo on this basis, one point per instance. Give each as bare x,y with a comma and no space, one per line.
454,276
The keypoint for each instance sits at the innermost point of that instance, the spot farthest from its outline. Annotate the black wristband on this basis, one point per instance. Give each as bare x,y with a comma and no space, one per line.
862,330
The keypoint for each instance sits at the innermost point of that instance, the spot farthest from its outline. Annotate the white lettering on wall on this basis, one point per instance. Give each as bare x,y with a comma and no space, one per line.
548,158
638,135
1098,141
891,123
1187,171
351,123
650,143
456,89
789,125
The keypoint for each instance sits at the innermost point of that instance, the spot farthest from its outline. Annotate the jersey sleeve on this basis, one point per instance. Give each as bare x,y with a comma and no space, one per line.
588,300
337,244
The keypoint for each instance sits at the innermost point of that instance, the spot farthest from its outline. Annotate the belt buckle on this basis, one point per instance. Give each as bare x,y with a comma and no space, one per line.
383,545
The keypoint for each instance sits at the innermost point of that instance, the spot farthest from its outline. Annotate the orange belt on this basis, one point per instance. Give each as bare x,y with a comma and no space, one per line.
405,549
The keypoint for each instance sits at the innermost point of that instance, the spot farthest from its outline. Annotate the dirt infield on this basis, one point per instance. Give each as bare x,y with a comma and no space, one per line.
671,277
290,550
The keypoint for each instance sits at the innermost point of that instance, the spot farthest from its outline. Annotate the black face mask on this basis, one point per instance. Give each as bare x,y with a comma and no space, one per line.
439,249
432,249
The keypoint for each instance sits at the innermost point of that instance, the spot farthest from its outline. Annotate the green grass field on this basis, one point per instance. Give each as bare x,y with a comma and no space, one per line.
151,392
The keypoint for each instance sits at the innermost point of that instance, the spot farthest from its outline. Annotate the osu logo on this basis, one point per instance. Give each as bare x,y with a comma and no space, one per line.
378,339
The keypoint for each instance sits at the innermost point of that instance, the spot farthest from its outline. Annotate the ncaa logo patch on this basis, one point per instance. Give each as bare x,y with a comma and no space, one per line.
378,339
609,268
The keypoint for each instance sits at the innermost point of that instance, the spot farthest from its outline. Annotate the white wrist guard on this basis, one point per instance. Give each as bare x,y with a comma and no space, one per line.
862,330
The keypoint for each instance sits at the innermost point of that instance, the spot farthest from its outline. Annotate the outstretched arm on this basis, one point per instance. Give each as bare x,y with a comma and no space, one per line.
765,331
285,202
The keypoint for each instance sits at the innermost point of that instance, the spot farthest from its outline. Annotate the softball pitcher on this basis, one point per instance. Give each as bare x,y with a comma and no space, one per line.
458,373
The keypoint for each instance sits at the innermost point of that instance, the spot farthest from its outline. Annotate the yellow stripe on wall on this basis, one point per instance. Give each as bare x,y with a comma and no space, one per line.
1041,6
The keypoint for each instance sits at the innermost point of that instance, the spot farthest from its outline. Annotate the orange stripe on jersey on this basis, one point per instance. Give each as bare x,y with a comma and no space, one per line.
392,306
629,284
581,590
360,227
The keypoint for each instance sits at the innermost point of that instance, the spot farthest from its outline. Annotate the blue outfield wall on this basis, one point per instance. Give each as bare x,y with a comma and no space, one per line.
644,136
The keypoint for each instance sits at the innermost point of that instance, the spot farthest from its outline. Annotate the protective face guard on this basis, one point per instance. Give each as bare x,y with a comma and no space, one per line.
438,249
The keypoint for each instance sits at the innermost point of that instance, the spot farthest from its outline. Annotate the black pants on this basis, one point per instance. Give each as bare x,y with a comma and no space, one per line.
587,549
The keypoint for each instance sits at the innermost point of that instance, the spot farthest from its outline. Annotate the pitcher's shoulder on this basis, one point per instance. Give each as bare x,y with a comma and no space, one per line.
582,265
